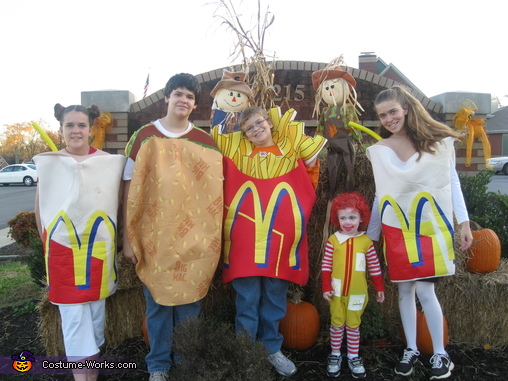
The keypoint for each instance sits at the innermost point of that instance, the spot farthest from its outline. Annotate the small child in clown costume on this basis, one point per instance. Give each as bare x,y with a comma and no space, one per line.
348,254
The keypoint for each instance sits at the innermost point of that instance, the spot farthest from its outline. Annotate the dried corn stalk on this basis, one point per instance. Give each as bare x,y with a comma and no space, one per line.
251,39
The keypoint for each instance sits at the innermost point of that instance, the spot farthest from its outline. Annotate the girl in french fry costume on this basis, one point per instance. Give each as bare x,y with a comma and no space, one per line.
336,87
76,207
417,194
268,199
231,96
349,254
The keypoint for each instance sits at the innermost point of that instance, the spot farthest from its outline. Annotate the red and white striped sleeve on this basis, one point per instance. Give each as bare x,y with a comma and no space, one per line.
376,275
326,268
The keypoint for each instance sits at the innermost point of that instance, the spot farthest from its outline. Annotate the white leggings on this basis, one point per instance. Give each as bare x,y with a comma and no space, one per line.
433,313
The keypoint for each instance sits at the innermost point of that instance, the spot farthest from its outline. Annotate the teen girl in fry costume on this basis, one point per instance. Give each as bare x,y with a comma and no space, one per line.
417,195
76,208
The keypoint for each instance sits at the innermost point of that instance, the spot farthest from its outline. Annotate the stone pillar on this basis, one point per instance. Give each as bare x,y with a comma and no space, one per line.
116,102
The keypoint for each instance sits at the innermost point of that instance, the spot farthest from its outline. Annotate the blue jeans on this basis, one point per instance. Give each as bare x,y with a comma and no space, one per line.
160,322
260,305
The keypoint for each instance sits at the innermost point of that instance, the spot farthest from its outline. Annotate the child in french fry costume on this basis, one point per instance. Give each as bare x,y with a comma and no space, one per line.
76,208
231,96
268,198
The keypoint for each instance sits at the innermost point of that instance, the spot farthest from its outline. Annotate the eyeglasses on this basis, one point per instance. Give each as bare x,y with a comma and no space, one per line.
250,129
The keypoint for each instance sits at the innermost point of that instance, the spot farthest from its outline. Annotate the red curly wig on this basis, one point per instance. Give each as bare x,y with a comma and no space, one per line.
352,200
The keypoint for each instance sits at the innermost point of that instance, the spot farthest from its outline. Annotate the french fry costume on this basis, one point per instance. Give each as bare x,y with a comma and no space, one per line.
174,212
268,200
415,206
78,210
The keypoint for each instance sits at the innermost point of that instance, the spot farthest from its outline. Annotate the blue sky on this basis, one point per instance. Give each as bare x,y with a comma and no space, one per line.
52,50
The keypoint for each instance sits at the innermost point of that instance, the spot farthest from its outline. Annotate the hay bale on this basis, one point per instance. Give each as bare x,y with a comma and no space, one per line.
127,277
124,313
473,305
49,324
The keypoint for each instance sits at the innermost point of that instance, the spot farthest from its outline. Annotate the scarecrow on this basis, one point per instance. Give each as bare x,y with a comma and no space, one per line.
103,124
464,119
335,87
231,95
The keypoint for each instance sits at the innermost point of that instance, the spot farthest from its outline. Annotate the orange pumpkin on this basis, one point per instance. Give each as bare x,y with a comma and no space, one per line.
485,252
300,326
423,339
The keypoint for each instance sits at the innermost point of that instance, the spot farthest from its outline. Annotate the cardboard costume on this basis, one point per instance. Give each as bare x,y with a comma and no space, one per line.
231,95
268,200
78,204
417,221
174,212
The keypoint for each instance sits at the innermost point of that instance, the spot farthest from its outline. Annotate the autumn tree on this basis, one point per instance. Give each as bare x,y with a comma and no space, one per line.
22,141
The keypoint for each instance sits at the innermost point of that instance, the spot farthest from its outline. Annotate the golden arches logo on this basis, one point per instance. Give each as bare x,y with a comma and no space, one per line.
413,228
264,221
83,251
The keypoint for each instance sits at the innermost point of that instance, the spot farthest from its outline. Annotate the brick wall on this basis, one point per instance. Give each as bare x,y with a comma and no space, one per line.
293,83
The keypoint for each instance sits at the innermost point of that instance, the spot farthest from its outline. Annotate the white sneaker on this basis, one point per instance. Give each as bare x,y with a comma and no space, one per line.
282,364
333,365
357,368
158,376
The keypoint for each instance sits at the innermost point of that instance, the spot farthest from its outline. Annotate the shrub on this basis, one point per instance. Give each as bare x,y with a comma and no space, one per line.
488,209
23,230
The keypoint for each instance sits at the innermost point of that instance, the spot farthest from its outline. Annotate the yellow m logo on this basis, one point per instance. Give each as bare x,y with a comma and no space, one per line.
440,230
264,222
84,250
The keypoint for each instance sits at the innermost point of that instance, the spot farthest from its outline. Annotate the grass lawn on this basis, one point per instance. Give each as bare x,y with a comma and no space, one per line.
16,285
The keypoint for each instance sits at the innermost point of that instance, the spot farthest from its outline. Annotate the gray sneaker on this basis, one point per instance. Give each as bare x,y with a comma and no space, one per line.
356,367
333,365
282,364
158,376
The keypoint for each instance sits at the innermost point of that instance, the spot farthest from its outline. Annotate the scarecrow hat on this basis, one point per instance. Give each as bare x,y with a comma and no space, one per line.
232,81
331,73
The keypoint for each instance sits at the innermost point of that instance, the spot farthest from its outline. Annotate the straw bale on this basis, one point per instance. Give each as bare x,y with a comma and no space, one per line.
473,304
50,327
127,277
124,313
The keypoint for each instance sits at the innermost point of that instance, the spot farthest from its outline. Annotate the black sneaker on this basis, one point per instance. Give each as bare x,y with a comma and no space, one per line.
442,366
357,368
333,366
405,366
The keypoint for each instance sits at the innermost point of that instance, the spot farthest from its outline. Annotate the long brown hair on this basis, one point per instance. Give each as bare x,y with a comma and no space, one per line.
422,130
